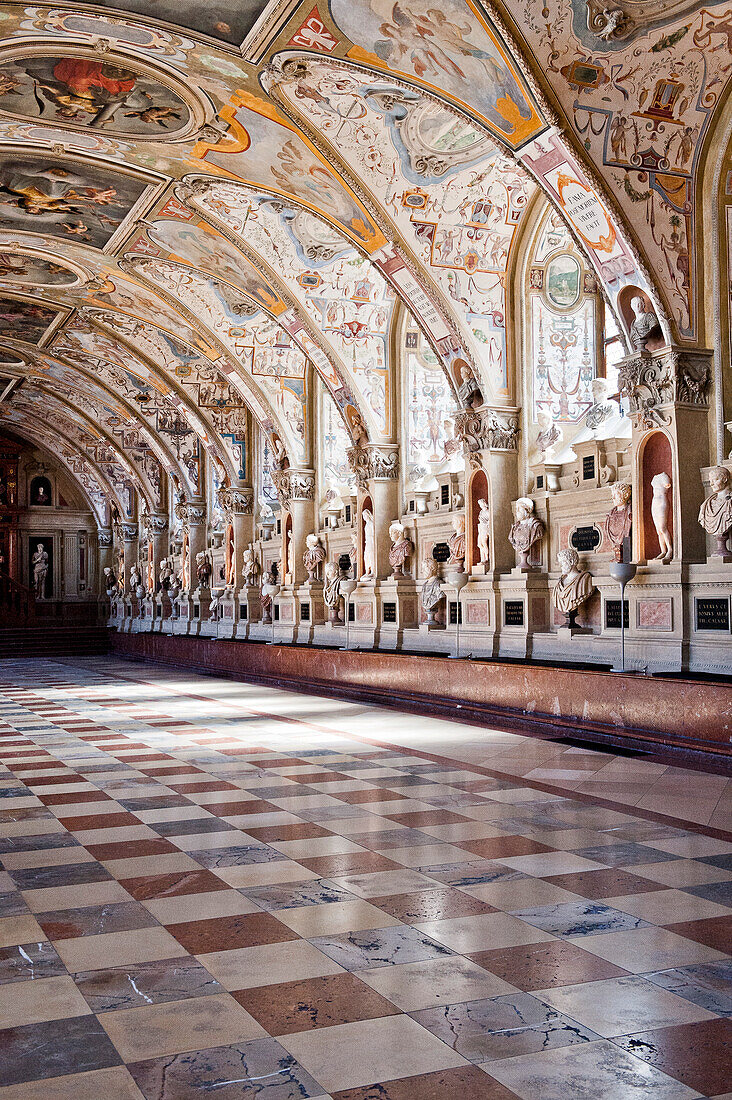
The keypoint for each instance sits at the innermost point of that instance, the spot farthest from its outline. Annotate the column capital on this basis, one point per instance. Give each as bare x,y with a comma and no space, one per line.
374,461
655,381
105,537
487,429
236,500
130,532
294,485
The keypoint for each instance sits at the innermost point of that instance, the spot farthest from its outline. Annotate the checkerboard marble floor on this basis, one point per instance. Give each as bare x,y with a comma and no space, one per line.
218,889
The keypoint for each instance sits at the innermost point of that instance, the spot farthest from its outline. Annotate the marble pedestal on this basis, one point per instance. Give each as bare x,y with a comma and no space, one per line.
311,610
398,610
249,609
524,610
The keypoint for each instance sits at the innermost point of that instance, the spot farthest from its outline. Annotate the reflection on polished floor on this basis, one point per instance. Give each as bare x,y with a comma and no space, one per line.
217,889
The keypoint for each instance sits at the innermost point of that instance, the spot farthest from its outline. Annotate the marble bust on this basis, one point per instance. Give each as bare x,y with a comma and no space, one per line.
204,569
332,591
401,549
573,588
250,569
456,542
547,439
619,519
715,514
644,324
527,530
314,556
469,390
432,594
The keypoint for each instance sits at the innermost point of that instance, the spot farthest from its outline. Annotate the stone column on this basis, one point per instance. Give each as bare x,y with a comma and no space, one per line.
196,515
131,543
377,472
105,556
160,542
490,442
238,503
296,490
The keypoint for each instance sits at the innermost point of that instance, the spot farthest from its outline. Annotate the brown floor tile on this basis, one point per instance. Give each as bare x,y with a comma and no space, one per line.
431,905
377,794
609,883
316,777
542,965
99,821
230,933
57,780
231,809
72,797
495,847
92,920
700,1054
174,769
463,1083
167,886
419,818
268,833
130,849
313,1003
199,788
714,932
349,863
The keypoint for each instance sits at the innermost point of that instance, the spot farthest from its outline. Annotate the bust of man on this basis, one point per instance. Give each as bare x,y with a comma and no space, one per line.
469,390
715,514
573,588
456,541
644,324
401,549
619,518
526,531
432,594
548,437
314,555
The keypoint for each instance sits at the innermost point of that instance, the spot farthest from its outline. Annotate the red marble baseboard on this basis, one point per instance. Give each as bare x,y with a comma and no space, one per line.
695,715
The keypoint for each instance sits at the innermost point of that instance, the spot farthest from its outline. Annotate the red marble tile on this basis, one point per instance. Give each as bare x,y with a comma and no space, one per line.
699,1055
495,847
714,932
142,756
241,750
56,780
350,863
608,883
463,1083
431,905
99,821
419,818
37,765
305,831
73,797
315,777
230,933
542,965
209,785
173,769
130,849
233,809
376,794
312,1003
172,885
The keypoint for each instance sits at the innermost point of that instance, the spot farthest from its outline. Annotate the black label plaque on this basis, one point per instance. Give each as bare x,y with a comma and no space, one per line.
454,613
351,612
441,552
344,563
712,613
444,494
243,611
513,613
389,612
304,612
612,614
539,481
588,467
585,538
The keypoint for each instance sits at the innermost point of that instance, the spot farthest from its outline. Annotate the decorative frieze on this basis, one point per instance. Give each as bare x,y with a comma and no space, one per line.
130,532
106,539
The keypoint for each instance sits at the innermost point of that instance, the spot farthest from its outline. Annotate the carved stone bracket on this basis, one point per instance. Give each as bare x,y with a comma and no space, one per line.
294,485
486,430
374,462
653,381
196,514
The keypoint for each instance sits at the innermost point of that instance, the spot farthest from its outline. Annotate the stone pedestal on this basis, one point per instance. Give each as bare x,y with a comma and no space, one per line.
286,618
181,623
398,611
365,625
249,609
200,607
525,610
311,610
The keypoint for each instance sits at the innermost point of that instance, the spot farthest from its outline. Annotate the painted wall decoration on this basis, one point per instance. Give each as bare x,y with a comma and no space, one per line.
451,48
428,408
25,269
25,320
97,93
66,199
230,23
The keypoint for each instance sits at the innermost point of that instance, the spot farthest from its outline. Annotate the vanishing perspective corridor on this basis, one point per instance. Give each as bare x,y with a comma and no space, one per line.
225,890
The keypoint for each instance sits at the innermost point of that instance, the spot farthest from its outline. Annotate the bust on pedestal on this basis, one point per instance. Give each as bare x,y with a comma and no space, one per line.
715,514
573,588
332,593
525,532
432,594
313,557
456,542
401,549
619,519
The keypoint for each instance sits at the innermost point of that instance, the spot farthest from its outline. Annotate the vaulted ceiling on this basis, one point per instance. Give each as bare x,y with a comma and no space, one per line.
203,209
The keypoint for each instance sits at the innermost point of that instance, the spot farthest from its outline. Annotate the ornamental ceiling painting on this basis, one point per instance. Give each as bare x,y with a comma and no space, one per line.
229,218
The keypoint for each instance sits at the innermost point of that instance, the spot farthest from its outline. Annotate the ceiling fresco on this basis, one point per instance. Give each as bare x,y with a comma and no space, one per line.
205,210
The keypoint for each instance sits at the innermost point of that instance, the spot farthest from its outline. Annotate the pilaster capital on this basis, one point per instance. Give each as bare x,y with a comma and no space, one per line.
294,485
487,429
130,532
158,524
654,381
237,501
374,461
105,537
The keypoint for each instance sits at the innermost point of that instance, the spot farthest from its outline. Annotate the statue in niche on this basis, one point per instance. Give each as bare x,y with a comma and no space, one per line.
135,581
573,588
401,549
40,563
369,544
715,514
204,569
527,530
456,542
353,552
644,324
660,484
332,592
547,439
314,556
484,532
358,430
432,594
251,569
267,593
290,559
620,517
469,390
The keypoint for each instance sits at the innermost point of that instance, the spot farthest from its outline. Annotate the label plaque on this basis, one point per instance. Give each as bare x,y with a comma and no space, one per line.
344,563
588,467
454,613
585,539
304,612
441,552
712,613
612,614
390,612
513,613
